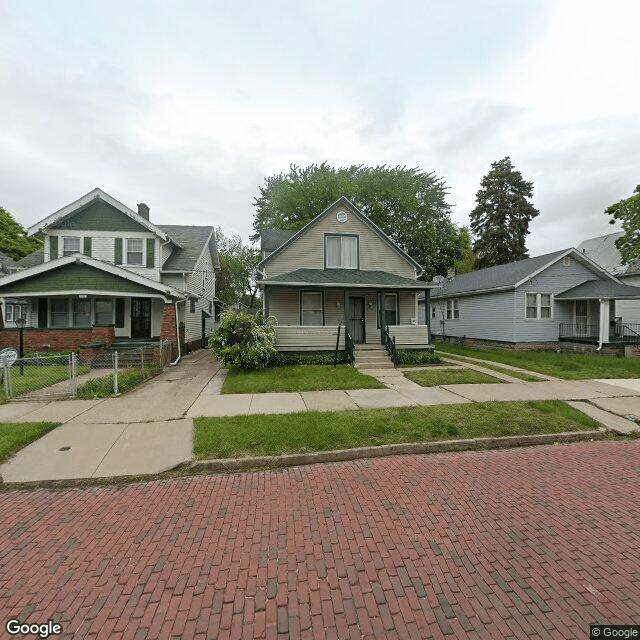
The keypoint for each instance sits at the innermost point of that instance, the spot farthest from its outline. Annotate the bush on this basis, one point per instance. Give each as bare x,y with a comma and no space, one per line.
243,341
416,357
285,359
103,387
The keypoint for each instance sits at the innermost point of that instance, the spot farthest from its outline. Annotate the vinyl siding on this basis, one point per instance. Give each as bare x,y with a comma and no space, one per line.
201,282
307,251
284,305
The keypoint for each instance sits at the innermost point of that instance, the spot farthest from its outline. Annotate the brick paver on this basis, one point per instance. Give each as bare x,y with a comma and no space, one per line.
535,542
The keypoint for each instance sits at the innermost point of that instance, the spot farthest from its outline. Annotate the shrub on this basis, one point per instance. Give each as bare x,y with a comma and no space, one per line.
416,357
242,341
285,359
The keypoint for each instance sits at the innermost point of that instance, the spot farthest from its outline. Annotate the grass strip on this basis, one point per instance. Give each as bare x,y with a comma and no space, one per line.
260,435
569,366
298,378
514,374
435,377
15,436
103,387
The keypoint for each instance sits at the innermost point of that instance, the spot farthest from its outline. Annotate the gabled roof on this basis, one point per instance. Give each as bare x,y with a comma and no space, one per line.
96,194
342,201
271,239
32,260
125,274
599,289
346,277
7,263
191,241
603,250
510,275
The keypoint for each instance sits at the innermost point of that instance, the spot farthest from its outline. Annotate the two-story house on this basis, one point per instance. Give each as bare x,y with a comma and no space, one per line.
108,273
340,269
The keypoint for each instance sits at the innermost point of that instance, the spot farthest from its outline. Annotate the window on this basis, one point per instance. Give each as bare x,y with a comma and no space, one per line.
70,245
59,312
14,312
453,312
538,306
192,305
311,308
341,252
134,251
391,309
433,311
104,312
82,313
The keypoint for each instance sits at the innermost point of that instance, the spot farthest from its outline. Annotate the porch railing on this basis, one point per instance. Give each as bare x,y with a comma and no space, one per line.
389,343
578,331
349,345
627,332
624,333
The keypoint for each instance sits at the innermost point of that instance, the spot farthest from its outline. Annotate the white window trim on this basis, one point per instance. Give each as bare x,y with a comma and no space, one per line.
342,235
302,294
538,317
70,253
126,251
453,305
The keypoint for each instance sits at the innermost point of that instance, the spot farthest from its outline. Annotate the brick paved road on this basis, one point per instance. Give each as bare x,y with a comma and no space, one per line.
536,542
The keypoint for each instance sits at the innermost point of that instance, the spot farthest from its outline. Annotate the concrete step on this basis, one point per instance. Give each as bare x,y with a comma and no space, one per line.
370,347
370,355
374,365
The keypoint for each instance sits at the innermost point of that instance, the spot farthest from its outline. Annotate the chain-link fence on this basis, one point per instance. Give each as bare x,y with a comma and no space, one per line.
82,374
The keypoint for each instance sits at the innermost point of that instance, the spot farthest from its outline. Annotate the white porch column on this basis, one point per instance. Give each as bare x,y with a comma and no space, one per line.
604,322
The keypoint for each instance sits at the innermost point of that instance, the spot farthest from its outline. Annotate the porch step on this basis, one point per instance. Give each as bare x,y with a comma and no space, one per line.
372,357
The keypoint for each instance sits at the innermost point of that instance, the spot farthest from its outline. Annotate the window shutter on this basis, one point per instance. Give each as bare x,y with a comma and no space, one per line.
53,247
87,246
118,251
151,257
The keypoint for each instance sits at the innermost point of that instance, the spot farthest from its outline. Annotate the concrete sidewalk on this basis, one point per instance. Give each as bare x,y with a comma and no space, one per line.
151,429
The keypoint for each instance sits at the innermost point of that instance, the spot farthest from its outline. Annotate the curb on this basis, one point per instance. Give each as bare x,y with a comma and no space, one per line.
439,446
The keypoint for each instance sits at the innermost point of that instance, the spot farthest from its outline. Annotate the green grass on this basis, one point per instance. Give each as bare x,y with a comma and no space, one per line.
570,366
298,378
435,377
103,387
510,372
37,377
259,435
16,436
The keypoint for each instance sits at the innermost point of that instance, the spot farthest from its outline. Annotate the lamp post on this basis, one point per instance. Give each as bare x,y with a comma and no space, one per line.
20,322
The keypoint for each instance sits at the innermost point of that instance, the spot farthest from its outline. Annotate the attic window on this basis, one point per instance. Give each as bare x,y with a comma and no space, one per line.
70,245
341,252
566,261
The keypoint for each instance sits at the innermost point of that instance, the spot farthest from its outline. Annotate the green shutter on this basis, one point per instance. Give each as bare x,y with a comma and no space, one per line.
118,250
53,247
151,257
87,246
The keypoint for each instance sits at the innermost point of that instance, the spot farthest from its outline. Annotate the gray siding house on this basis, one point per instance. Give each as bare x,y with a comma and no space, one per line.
340,269
560,296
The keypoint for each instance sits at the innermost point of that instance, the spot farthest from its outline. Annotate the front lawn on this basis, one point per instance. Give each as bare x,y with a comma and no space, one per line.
570,366
510,372
15,436
260,435
298,378
435,377
36,376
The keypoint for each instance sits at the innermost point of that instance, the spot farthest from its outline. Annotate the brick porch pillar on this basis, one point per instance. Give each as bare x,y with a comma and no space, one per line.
169,323
1,319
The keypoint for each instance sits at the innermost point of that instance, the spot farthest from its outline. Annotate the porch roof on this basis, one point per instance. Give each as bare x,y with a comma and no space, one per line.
606,289
335,278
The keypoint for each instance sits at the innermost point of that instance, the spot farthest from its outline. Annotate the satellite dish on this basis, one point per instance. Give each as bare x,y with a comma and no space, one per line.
7,357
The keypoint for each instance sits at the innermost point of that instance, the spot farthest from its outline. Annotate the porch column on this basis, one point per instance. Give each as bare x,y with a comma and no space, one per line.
169,322
383,303
266,300
604,322
427,313
347,310
1,319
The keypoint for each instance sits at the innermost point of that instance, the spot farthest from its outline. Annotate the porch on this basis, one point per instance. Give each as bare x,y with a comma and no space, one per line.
619,333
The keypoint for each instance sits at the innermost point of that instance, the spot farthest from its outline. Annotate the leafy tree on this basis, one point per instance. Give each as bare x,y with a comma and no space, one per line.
501,218
14,241
237,278
628,213
409,205
466,262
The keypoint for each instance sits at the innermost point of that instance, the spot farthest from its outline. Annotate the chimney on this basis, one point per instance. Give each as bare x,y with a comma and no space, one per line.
143,210
451,273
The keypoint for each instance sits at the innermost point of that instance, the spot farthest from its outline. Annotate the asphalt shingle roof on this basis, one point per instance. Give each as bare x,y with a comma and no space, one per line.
504,275
599,289
192,241
32,260
348,276
271,239
604,251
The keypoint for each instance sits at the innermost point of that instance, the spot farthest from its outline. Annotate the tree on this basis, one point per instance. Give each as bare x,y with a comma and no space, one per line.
628,213
501,218
14,241
237,279
409,205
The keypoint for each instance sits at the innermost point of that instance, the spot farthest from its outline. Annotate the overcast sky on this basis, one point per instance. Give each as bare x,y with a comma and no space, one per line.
189,105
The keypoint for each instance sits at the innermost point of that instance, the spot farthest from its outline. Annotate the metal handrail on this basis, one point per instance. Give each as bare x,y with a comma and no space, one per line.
390,344
349,345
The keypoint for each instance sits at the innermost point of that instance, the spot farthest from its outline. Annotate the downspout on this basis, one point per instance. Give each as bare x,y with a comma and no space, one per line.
600,327
175,362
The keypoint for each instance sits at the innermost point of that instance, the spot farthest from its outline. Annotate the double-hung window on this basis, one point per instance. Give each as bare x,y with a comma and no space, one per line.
311,308
82,313
59,312
70,245
104,312
538,306
14,312
453,312
134,251
341,252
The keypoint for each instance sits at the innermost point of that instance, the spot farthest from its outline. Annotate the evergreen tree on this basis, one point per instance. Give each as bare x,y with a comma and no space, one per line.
14,241
500,221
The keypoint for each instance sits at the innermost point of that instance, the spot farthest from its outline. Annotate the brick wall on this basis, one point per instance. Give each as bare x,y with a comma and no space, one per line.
55,339
168,330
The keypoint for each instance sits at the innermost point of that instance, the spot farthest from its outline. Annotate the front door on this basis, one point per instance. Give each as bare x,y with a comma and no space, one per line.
140,318
356,319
